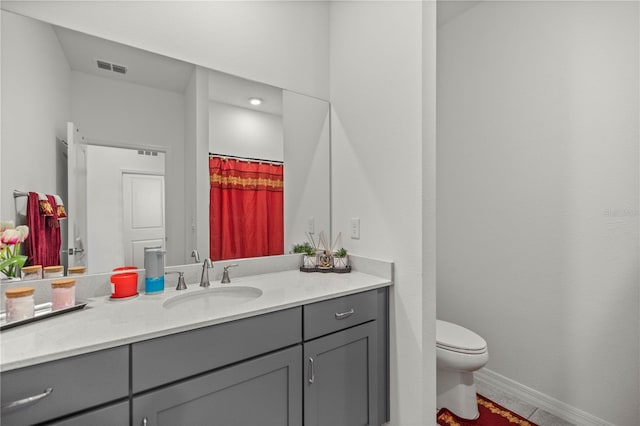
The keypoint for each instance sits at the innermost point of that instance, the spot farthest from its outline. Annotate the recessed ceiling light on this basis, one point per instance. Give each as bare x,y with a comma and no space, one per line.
255,101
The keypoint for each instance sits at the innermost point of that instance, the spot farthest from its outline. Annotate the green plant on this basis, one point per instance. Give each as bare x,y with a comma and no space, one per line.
341,253
304,248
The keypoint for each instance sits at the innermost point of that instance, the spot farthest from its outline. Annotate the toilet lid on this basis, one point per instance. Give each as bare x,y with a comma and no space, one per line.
456,338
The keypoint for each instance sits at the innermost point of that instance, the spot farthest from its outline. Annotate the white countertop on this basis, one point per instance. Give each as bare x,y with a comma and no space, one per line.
105,323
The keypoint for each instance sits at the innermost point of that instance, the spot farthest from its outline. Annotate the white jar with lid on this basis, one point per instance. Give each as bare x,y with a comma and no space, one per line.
29,273
20,303
76,270
55,271
63,294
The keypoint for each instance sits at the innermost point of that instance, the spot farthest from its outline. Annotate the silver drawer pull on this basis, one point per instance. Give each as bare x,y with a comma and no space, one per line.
343,315
28,400
145,421
312,373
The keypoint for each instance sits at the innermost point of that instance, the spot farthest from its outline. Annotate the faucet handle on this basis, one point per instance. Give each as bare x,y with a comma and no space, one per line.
225,273
181,284
195,255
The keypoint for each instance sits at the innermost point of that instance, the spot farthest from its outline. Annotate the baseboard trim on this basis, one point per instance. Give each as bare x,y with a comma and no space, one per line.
538,399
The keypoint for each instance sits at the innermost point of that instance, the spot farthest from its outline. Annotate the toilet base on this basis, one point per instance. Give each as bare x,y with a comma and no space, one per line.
456,391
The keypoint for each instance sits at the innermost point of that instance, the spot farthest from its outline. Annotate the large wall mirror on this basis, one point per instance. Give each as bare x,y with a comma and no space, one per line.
143,128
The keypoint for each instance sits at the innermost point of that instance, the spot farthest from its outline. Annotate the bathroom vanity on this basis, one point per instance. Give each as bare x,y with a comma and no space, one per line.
312,349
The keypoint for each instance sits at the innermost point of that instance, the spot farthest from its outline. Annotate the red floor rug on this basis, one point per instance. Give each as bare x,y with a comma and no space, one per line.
491,414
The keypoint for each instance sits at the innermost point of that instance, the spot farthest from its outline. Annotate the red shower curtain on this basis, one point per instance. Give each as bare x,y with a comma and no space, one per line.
246,208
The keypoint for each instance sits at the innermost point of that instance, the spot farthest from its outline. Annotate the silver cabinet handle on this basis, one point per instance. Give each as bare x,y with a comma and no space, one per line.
347,314
28,400
145,421
312,373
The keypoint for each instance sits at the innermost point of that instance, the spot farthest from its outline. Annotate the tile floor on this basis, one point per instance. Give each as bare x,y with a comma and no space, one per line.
535,414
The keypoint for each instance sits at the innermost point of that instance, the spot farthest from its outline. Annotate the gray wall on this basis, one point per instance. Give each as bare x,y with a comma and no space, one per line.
127,114
284,44
307,164
538,195
40,107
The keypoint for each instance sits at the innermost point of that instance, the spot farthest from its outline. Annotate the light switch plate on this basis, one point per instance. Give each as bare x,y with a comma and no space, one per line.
355,228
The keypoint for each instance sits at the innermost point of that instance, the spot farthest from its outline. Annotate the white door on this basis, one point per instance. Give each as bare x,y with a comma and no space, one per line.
144,220
76,203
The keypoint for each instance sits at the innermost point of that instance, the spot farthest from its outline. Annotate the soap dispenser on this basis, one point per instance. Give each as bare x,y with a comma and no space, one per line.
154,269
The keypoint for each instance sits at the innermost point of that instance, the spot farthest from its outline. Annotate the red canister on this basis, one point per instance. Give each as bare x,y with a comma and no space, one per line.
124,285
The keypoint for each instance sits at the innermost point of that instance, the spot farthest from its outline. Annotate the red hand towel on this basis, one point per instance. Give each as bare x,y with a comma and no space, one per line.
54,239
44,240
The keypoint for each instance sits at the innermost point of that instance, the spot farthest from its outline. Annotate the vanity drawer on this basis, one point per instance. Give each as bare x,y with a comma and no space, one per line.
337,314
63,387
178,356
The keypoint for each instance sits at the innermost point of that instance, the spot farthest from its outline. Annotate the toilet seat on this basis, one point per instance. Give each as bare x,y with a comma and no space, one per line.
455,338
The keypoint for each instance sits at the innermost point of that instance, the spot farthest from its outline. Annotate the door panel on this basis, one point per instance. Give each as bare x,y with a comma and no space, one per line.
144,219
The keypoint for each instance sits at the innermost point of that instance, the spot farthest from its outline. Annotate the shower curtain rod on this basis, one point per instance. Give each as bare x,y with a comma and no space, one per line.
247,158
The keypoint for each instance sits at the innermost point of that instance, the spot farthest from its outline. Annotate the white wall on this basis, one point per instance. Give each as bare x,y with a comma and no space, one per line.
376,75
244,132
127,114
429,202
35,109
306,167
538,182
282,43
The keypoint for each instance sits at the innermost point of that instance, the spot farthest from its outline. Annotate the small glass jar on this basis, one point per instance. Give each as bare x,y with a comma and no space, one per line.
56,271
63,294
29,273
20,303
76,270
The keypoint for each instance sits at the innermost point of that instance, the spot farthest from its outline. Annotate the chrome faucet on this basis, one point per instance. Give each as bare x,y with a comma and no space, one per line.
204,278
225,274
195,255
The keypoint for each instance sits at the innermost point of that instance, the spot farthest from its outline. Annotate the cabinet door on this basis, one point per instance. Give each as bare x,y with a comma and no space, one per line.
341,378
59,388
265,391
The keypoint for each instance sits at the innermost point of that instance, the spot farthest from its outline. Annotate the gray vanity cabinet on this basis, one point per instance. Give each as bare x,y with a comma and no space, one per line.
265,391
341,378
246,372
115,414
167,359
321,364
48,391
345,355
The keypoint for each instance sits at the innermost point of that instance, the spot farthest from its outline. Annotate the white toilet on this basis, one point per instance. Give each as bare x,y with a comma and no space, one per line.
459,352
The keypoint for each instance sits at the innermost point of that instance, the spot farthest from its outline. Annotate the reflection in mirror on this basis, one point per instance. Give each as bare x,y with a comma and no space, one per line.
246,168
51,76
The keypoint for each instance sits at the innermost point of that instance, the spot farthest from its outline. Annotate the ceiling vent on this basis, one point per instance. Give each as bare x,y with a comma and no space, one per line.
119,68
104,65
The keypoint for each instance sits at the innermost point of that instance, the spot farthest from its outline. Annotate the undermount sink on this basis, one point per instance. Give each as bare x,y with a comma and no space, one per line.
213,297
